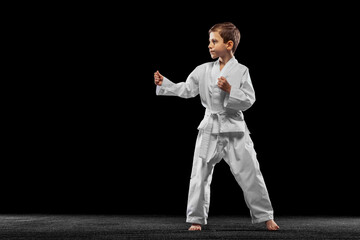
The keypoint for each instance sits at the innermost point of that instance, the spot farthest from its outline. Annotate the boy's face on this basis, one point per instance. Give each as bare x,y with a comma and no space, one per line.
217,47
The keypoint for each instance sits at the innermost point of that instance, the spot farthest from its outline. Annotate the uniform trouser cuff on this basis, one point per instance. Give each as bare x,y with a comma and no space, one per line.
197,220
262,219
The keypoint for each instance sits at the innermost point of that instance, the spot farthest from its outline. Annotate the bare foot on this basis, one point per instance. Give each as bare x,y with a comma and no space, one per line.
271,225
195,227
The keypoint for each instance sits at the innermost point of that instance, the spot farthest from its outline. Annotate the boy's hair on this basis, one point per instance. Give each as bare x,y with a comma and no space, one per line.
227,31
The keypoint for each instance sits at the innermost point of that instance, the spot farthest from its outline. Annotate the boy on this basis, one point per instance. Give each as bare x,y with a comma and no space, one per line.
226,91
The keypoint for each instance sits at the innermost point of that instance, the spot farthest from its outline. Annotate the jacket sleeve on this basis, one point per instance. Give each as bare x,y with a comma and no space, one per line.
187,89
241,98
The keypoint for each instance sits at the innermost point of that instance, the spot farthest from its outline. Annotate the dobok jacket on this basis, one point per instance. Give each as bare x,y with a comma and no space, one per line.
223,110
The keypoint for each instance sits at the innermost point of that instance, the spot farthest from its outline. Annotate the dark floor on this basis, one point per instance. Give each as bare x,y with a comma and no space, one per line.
172,227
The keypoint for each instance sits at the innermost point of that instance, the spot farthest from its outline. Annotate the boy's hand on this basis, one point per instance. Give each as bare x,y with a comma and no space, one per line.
158,78
224,85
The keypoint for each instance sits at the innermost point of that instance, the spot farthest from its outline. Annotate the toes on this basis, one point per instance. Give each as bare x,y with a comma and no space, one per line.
273,227
195,228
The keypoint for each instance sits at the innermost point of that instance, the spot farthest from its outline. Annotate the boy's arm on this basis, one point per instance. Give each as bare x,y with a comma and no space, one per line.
187,89
241,98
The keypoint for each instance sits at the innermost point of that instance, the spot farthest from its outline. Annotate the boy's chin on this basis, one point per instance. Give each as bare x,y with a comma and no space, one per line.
213,56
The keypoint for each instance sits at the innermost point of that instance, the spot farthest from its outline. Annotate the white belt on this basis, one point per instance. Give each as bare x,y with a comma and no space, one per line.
204,145
208,129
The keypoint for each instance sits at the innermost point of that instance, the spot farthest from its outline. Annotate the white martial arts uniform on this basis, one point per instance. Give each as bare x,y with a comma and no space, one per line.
222,135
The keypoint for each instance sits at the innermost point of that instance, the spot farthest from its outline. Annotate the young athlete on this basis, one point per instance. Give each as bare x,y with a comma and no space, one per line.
226,91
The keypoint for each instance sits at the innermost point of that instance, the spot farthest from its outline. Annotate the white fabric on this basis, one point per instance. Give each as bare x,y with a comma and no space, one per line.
203,81
238,152
222,134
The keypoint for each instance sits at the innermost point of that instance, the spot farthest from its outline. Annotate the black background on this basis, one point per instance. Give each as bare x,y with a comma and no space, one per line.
87,134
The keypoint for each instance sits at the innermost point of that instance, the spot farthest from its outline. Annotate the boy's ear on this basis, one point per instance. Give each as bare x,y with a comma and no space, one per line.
229,45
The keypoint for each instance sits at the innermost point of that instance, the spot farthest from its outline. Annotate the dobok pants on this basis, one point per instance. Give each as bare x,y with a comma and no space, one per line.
237,150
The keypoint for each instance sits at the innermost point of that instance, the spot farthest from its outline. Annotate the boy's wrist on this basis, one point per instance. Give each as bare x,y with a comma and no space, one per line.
166,83
229,90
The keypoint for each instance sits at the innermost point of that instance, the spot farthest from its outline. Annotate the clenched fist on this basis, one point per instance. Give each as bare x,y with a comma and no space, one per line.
158,78
224,85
